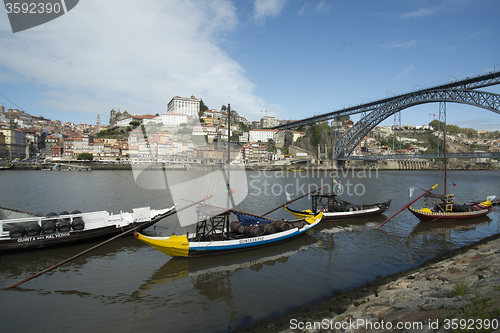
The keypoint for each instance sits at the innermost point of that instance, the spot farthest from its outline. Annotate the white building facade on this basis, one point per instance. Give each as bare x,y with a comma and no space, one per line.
189,106
173,119
262,135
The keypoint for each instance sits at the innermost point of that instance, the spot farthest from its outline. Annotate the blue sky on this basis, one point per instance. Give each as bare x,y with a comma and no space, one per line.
293,58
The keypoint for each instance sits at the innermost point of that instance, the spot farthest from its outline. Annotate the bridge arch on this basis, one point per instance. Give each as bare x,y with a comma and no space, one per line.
348,142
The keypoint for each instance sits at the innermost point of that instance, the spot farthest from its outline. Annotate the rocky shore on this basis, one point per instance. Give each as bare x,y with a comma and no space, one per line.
458,291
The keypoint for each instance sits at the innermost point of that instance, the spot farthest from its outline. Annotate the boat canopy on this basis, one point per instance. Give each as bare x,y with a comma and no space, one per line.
248,219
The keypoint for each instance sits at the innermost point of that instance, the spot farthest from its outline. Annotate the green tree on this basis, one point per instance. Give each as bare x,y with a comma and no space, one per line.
203,108
315,133
134,123
85,157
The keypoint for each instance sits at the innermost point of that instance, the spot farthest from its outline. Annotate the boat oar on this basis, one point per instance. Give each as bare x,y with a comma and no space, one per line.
289,201
406,206
174,211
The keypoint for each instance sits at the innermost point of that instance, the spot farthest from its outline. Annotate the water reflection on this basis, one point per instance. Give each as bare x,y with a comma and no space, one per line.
23,264
447,227
217,268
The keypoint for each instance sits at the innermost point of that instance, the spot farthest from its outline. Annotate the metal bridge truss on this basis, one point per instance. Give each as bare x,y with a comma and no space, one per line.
479,155
469,83
346,144
460,91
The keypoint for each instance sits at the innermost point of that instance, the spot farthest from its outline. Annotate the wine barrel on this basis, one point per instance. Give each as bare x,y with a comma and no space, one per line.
267,228
48,227
64,225
78,224
237,227
16,231
33,229
281,225
253,231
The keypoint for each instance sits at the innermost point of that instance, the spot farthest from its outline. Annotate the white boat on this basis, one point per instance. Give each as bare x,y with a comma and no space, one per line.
25,231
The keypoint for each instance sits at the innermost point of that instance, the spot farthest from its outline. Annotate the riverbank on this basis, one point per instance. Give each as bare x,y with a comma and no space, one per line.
457,290
408,165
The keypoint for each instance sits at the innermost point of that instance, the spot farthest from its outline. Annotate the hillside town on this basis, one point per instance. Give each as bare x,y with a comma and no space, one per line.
190,131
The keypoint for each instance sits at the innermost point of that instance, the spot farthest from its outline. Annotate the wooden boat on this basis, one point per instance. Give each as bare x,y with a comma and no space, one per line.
442,207
216,234
336,209
25,231
439,207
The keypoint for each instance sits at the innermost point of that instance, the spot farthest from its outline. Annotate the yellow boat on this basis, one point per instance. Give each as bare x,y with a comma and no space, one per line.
218,241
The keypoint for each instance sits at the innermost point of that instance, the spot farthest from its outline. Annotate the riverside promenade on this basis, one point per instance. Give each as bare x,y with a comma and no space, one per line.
457,291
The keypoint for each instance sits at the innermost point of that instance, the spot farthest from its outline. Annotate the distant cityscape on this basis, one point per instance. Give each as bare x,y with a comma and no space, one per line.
188,132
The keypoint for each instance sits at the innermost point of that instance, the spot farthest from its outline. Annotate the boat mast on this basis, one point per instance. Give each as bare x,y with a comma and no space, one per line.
335,127
230,199
228,154
442,110
333,151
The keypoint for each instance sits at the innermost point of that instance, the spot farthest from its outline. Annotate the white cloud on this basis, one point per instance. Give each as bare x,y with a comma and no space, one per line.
404,44
267,8
131,55
419,13
404,73
322,6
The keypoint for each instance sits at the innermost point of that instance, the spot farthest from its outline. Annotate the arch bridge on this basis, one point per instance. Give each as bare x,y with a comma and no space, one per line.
460,91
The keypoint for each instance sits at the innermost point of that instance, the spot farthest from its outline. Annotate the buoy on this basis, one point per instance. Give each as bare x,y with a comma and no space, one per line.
78,223
16,231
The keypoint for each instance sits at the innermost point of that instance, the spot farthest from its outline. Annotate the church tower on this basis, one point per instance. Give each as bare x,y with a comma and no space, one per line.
98,123
112,117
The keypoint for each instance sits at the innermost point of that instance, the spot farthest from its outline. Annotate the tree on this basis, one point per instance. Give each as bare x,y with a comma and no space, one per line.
85,157
134,123
203,108
315,132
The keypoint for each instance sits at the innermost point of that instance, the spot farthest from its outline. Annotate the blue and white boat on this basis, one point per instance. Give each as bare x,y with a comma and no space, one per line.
216,234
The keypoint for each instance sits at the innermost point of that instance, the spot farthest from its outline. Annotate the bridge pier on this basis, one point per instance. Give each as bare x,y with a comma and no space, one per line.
412,165
340,164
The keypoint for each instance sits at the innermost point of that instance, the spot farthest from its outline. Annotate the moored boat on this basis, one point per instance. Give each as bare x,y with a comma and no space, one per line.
336,209
443,208
216,234
24,231
439,207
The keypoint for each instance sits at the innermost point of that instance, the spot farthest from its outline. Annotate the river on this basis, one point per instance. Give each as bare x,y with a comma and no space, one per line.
128,286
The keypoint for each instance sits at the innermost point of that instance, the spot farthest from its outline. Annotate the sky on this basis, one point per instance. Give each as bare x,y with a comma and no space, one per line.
290,59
